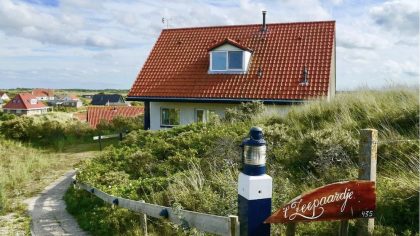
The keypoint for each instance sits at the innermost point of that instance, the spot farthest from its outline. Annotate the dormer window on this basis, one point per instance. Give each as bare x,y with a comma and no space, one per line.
228,57
227,60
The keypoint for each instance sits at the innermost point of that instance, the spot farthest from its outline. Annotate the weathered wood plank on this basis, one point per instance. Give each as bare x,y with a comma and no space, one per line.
220,225
205,222
368,146
107,136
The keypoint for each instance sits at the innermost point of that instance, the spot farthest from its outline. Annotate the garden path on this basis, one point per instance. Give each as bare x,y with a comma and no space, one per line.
48,210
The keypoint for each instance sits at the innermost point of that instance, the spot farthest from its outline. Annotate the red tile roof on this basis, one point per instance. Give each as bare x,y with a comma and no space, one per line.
22,101
177,66
43,92
97,113
229,41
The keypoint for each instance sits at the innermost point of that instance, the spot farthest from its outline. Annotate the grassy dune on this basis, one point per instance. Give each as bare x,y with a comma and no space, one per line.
195,167
24,172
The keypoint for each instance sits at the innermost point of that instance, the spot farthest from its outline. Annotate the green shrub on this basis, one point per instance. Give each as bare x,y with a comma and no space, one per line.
244,112
120,124
51,129
6,116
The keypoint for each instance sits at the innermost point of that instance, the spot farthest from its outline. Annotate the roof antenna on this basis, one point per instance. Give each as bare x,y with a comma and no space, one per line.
264,26
166,20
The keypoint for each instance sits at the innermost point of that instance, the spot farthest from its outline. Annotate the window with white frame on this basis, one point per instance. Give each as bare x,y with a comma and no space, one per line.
169,116
200,115
227,61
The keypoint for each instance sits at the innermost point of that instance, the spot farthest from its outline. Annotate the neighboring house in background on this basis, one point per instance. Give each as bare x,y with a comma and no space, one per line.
4,97
107,100
66,101
25,104
96,114
87,96
44,94
193,71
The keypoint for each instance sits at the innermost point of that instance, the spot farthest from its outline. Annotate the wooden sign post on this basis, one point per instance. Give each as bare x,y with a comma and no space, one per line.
342,200
339,201
367,171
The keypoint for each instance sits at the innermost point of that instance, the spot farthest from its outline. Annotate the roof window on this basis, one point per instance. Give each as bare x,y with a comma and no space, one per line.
227,60
228,57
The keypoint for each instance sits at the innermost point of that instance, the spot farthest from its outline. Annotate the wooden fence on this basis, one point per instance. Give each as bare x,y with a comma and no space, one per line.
102,137
220,225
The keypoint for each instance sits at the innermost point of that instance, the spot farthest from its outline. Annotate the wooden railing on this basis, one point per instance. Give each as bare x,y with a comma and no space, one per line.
220,225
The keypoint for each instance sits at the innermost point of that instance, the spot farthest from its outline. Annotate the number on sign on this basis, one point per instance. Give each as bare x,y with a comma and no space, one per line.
367,214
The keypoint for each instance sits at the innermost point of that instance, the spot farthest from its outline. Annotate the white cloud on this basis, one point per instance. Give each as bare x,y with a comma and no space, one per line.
401,16
396,68
336,2
27,21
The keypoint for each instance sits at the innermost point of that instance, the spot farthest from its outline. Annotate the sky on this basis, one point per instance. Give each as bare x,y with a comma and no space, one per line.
98,44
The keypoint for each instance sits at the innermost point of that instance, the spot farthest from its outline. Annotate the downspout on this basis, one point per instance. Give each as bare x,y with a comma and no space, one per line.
146,115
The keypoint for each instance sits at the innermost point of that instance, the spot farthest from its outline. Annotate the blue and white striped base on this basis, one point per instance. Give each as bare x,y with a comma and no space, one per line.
254,203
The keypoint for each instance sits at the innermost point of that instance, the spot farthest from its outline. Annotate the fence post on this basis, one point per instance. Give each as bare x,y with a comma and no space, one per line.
254,187
143,221
100,142
367,171
344,228
234,225
291,229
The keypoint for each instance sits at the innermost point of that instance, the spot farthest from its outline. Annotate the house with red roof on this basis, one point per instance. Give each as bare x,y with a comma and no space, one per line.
96,114
43,94
3,96
193,71
25,104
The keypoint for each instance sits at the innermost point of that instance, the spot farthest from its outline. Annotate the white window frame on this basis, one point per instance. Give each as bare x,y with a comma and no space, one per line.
169,108
204,115
227,61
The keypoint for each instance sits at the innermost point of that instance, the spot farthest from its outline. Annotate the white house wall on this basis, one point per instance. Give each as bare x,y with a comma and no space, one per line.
187,111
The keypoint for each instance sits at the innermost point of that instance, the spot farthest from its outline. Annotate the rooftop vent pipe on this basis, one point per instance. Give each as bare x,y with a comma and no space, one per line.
264,26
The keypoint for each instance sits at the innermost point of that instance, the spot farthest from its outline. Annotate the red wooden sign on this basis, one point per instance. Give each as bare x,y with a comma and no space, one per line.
337,201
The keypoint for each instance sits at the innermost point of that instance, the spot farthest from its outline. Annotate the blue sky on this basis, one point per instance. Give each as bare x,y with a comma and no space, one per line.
103,43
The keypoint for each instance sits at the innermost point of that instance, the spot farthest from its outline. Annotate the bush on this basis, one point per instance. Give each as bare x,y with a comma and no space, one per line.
120,124
6,116
50,130
244,112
